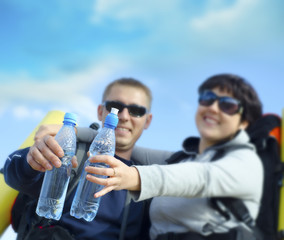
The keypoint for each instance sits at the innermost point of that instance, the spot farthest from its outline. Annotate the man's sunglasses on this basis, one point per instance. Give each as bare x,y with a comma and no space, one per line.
133,109
228,105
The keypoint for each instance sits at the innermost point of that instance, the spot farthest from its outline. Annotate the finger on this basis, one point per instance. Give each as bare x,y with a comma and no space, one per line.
103,192
36,160
47,152
109,160
108,182
109,172
114,172
36,166
53,145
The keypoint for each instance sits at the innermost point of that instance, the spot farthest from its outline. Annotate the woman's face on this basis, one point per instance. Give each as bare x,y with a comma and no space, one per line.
214,125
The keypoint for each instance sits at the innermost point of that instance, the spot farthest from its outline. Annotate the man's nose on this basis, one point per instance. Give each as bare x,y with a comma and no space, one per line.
124,114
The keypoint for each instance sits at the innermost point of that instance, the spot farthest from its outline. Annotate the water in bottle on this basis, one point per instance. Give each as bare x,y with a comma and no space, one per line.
55,182
84,204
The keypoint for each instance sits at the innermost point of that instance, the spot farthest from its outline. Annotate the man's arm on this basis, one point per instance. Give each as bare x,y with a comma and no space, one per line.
19,175
148,156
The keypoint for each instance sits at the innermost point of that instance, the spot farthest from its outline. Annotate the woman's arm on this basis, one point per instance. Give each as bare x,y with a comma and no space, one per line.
230,176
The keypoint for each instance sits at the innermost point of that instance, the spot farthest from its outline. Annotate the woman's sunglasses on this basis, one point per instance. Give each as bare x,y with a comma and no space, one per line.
228,105
133,109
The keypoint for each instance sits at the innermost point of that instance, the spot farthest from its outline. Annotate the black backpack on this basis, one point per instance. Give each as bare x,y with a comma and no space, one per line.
265,135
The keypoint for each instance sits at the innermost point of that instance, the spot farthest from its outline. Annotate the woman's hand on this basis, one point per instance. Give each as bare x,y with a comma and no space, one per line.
120,175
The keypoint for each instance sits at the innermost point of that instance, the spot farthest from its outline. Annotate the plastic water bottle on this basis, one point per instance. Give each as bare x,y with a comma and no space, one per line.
84,204
55,182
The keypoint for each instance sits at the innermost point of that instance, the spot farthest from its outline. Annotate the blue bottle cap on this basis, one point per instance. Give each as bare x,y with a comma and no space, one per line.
70,117
111,120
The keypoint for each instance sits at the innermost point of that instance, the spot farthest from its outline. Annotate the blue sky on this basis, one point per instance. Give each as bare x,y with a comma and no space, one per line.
60,54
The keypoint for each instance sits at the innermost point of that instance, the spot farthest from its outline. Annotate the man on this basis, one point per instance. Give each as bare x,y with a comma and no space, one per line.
24,168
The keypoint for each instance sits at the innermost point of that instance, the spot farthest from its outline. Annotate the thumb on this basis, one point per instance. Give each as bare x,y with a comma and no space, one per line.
74,162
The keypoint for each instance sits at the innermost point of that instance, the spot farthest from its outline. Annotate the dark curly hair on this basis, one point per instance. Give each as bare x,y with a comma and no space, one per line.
240,89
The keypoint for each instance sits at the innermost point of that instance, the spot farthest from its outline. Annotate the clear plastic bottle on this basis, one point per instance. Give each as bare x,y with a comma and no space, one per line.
54,187
84,204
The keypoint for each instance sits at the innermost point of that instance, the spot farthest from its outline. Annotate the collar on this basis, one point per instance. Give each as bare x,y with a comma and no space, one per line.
190,149
127,162
190,145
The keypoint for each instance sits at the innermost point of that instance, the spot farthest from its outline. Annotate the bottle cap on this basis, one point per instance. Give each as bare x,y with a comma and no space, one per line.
111,120
70,117
114,111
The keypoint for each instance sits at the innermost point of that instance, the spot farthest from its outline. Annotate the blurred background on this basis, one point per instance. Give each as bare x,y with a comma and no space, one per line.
60,55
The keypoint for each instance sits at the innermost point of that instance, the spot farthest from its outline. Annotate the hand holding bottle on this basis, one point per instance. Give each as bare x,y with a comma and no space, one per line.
46,151
54,187
120,175
84,204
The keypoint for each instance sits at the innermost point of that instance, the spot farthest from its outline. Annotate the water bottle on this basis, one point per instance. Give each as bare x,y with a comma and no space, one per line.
84,204
55,182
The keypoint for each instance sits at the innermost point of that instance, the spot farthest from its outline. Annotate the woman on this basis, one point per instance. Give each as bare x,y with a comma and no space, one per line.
181,208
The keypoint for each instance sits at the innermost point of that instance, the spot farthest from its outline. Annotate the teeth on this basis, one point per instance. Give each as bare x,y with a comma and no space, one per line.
122,129
210,120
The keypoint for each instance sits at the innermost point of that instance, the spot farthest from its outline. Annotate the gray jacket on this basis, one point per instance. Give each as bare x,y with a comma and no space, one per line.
182,190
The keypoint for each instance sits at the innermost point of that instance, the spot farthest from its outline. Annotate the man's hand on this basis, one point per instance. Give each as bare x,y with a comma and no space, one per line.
46,152
47,129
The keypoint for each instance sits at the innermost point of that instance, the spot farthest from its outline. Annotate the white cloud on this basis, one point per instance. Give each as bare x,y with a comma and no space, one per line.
173,27
27,97
224,17
183,29
243,26
131,12
22,112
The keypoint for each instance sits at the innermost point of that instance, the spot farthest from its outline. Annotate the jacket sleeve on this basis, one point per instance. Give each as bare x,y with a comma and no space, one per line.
19,175
238,174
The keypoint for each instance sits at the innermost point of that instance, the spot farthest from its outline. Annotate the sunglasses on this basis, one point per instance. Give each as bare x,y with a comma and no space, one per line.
133,109
227,105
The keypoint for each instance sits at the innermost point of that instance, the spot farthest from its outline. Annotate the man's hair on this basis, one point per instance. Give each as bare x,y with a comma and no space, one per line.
240,89
129,82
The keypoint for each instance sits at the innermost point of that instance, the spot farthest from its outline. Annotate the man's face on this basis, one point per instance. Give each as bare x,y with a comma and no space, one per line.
129,128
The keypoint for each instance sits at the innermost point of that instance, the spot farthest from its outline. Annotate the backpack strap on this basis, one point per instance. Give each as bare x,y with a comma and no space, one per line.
81,154
235,206
125,216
